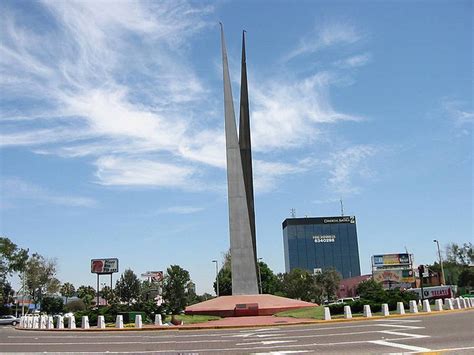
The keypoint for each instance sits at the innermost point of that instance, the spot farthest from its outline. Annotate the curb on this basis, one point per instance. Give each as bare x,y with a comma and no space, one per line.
304,321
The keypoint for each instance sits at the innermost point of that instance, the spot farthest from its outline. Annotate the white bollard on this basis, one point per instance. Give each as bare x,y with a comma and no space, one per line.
439,305
101,322
327,313
471,303
413,307
158,320
448,304
426,306
43,322
72,322
463,303
60,322
385,311
400,308
457,303
367,311
22,322
138,321
50,323
35,322
85,322
119,321
347,312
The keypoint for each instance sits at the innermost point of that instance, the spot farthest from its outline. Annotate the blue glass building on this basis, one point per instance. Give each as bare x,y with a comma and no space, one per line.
316,244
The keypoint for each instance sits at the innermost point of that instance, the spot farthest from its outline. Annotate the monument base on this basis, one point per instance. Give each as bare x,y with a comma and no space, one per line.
246,305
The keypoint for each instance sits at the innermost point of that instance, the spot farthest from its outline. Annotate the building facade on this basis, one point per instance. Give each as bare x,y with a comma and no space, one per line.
320,243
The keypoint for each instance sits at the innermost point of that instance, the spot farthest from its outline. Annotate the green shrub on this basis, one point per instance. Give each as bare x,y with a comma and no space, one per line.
75,306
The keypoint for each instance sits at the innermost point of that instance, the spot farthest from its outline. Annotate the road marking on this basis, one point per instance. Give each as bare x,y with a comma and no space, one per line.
400,326
409,335
283,352
268,342
397,345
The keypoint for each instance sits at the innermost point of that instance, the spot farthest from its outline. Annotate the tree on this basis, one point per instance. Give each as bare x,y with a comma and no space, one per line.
109,295
328,281
225,281
40,277
86,294
460,254
12,259
52,305
75,306
67,290
466,277
128,287
270,284
371,290
299,284
175,284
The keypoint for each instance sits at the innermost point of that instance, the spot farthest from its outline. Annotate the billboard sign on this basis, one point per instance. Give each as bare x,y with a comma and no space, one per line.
434,292
391,260
104,266
395,275
154,276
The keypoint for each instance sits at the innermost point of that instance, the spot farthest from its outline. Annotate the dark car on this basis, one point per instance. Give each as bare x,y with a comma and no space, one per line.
9,320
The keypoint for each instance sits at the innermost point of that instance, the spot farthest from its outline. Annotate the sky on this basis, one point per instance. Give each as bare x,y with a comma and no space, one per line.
112,127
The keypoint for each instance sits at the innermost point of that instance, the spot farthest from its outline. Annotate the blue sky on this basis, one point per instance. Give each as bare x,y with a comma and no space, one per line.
112,141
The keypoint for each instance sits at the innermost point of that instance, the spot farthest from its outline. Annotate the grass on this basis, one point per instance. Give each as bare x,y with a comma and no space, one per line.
308,312
192,319
317,313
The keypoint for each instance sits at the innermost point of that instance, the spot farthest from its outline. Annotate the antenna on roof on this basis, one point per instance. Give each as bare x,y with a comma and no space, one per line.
293,213
342,207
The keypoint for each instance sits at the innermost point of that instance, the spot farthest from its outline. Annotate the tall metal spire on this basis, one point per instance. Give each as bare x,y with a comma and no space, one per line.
243,257
245,145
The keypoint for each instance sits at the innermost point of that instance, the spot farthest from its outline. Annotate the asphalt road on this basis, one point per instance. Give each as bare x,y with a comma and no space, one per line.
453,332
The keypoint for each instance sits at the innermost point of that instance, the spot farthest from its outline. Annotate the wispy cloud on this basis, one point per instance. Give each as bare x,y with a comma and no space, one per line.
13,189
324,36
347,165
354,61
458,111
267,174
181,210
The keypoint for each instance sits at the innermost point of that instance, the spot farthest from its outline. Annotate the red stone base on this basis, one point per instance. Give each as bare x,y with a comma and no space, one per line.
246,305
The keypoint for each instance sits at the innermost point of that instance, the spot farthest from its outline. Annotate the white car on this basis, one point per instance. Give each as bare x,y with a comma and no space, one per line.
9,320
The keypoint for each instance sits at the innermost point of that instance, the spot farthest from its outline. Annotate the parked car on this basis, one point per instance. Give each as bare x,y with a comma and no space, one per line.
9,320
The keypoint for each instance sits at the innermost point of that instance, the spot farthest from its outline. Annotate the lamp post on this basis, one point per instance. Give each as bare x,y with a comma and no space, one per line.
259,275
443,281
217,277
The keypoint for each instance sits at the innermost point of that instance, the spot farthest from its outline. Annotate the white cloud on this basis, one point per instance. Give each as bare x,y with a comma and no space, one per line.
286,114
325,36
354,61
458,112
346,166
121,171
14,189
181,209
266,174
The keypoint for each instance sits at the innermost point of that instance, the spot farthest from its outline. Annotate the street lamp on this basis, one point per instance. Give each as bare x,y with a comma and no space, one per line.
217,277
259,275
443,281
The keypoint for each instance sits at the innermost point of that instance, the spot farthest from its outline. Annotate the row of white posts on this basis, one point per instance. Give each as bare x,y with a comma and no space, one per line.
449,303
46,322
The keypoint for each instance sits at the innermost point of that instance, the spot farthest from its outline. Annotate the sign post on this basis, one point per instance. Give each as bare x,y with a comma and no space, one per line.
104,267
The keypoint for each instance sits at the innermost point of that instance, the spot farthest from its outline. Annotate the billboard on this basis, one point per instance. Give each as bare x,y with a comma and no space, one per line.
391,260
104,266
434,292
154,276
395,275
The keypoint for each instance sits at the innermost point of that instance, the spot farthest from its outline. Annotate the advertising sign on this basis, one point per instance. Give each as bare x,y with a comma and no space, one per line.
391,260
154,276
324,238
344,219
394,275
434,292
104,266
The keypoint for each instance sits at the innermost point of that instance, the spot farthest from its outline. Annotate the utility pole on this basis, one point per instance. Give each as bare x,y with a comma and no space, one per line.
442,281
342,208
259,275
217,277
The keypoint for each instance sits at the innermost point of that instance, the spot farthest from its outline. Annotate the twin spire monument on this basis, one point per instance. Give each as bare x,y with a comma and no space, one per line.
243,247
245,298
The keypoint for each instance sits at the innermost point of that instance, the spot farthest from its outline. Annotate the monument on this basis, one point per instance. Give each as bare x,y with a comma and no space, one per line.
243,247
245,299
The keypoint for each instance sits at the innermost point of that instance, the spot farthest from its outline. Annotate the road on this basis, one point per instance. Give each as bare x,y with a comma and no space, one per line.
452,332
